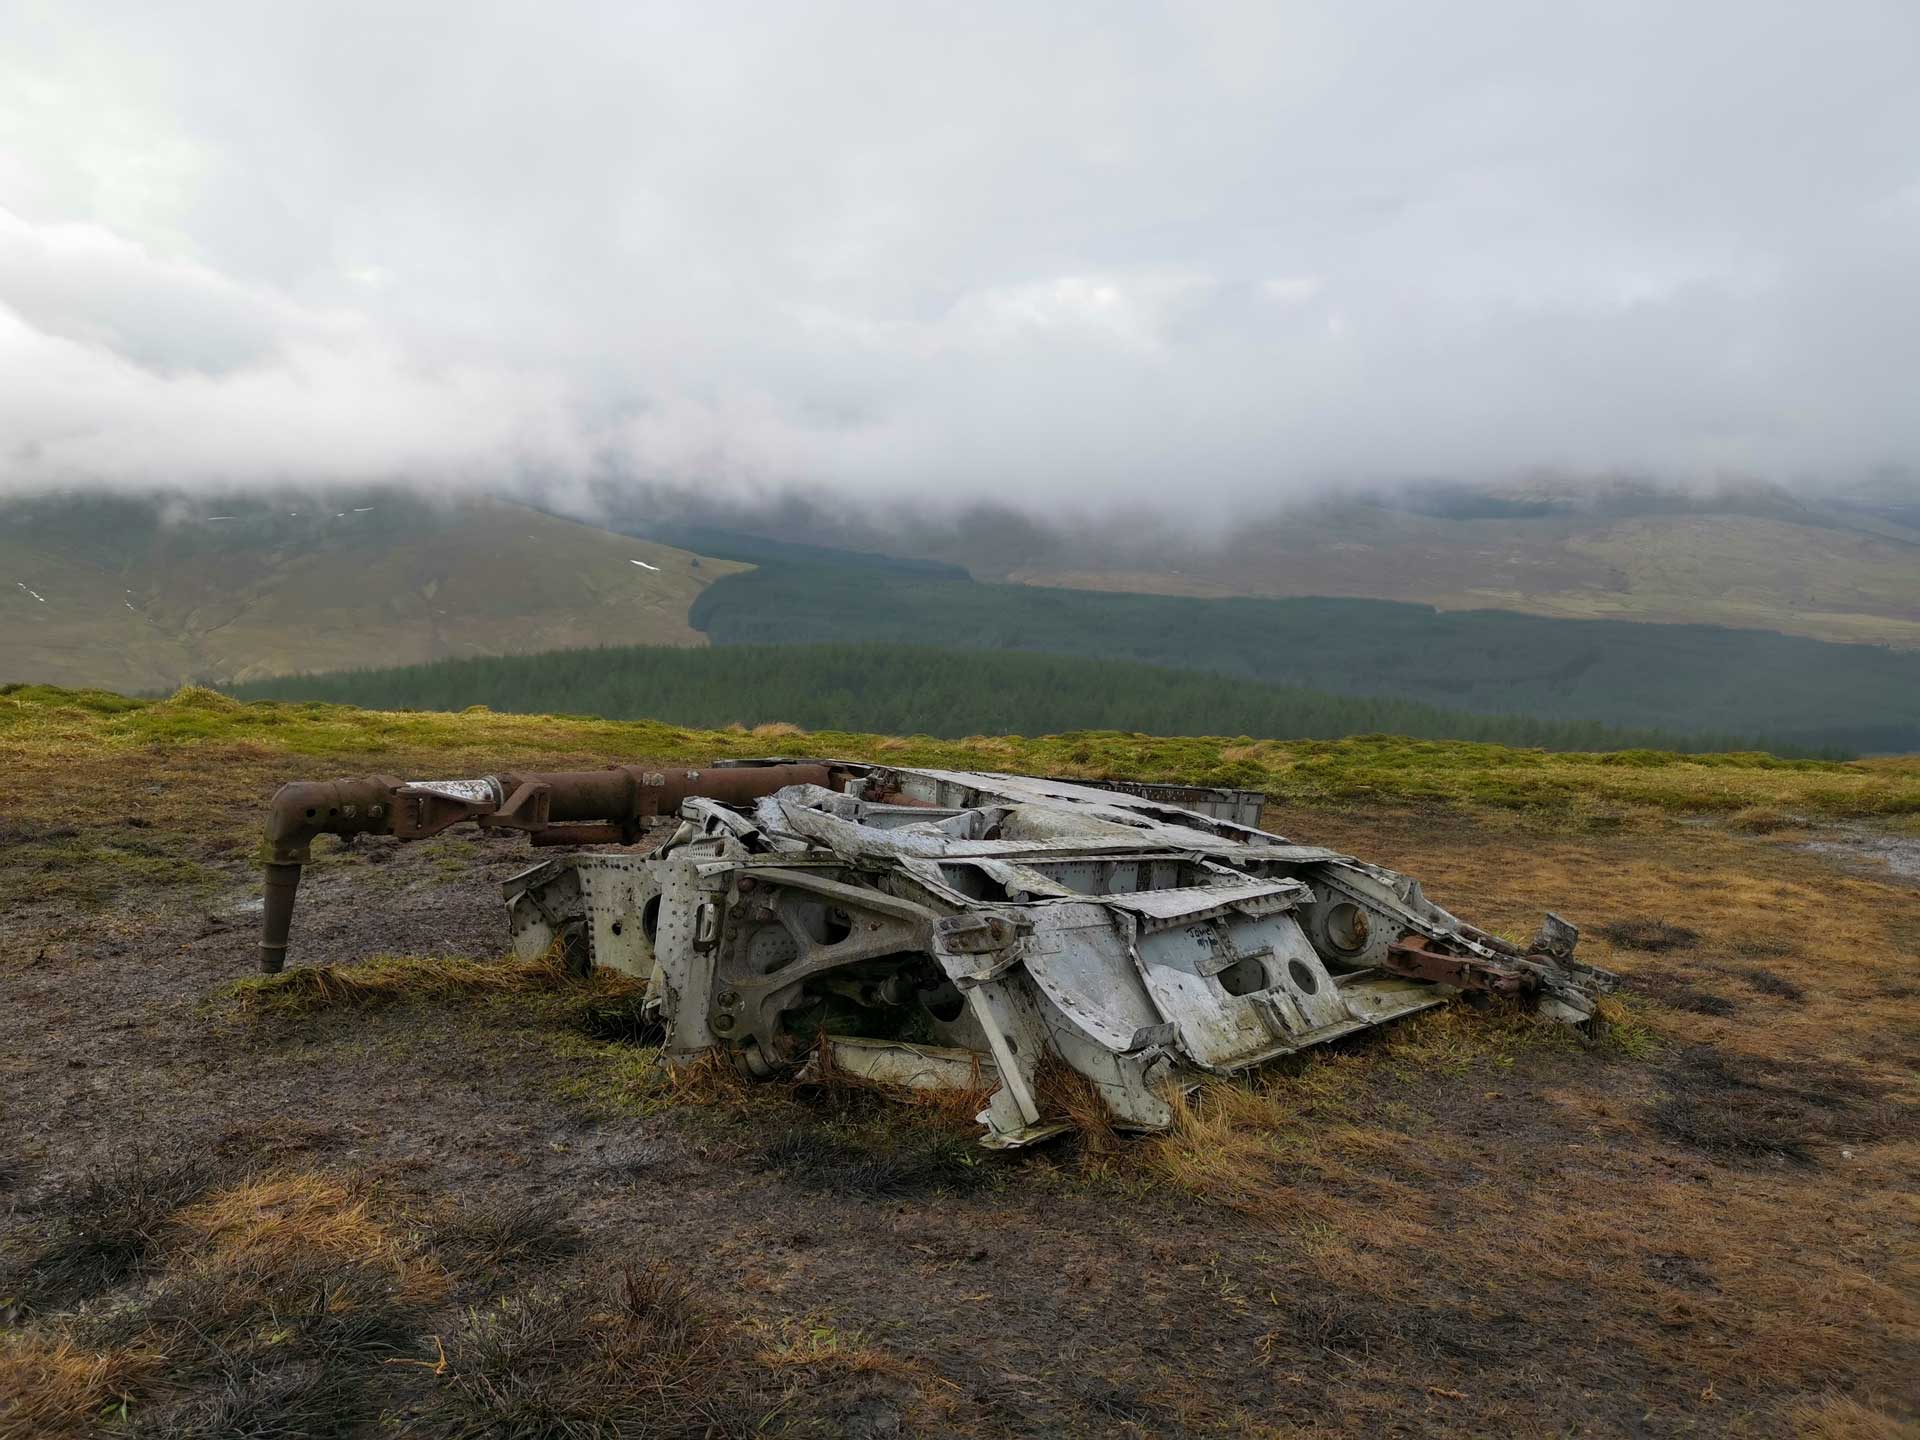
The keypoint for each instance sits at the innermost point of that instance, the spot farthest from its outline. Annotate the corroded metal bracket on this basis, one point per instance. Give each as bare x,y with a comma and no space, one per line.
1414,957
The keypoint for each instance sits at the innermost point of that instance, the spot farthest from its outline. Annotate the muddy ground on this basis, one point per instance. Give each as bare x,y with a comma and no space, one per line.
1468,1226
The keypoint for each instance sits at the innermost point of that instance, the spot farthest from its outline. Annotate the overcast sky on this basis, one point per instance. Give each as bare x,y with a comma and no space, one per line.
1037,252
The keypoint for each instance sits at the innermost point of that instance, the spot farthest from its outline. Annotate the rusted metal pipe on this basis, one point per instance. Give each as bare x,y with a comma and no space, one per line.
276,920
566,807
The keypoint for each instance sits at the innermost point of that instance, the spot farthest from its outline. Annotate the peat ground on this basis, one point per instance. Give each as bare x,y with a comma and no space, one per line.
445,1208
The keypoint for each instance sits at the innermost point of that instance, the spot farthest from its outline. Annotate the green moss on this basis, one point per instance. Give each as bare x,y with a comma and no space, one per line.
614,1080
99,702
1626,1032
91,871
1455,1039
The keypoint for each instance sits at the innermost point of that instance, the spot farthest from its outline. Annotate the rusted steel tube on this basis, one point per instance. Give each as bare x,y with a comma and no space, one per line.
276,920
553,808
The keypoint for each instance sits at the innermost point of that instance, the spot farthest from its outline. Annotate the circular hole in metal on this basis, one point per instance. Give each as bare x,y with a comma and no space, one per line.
650,919
1243,976
839,925
1347,927
944,1003
1305,979
615,927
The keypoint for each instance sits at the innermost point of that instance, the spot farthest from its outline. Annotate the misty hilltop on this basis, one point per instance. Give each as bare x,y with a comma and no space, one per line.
143,595
1745,556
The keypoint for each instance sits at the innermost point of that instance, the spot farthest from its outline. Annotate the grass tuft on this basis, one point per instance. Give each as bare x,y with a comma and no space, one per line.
1759,820
109,1225
51,1388
619,1020
389,980
493,1233
818,1347
280,1223
637,1356
1224,1147
247,1399
1062,1090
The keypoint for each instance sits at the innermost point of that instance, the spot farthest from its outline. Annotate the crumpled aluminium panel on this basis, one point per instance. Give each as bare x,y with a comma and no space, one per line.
972,930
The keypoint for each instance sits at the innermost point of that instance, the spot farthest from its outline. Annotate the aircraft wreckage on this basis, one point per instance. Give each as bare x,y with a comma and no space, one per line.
940,928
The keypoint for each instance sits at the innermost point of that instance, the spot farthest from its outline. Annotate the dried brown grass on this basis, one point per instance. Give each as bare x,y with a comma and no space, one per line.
638,1353
646,1352
1222,1147
52,1388
1699,1250
1838,1417
1062,1090
814,1345
392,979
263,1297
290,1223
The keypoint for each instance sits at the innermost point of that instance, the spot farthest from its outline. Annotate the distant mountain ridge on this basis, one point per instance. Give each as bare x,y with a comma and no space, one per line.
146,593
1751,556
1852,583
143,594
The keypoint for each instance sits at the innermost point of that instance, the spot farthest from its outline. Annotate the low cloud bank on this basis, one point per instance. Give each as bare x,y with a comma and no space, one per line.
1208,262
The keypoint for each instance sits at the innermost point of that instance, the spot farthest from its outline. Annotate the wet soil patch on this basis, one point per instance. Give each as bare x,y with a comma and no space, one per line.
885,1165
1768,982
1653,936
1676,992
1868,850
1734,1105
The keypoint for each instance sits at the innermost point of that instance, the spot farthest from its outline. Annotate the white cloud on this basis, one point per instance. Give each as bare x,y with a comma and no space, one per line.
1129,312
1003,252
1292,289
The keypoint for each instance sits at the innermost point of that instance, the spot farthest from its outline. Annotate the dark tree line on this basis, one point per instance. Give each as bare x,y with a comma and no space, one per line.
1677,679
908,689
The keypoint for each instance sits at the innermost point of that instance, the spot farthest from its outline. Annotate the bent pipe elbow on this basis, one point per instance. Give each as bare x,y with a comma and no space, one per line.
304,809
